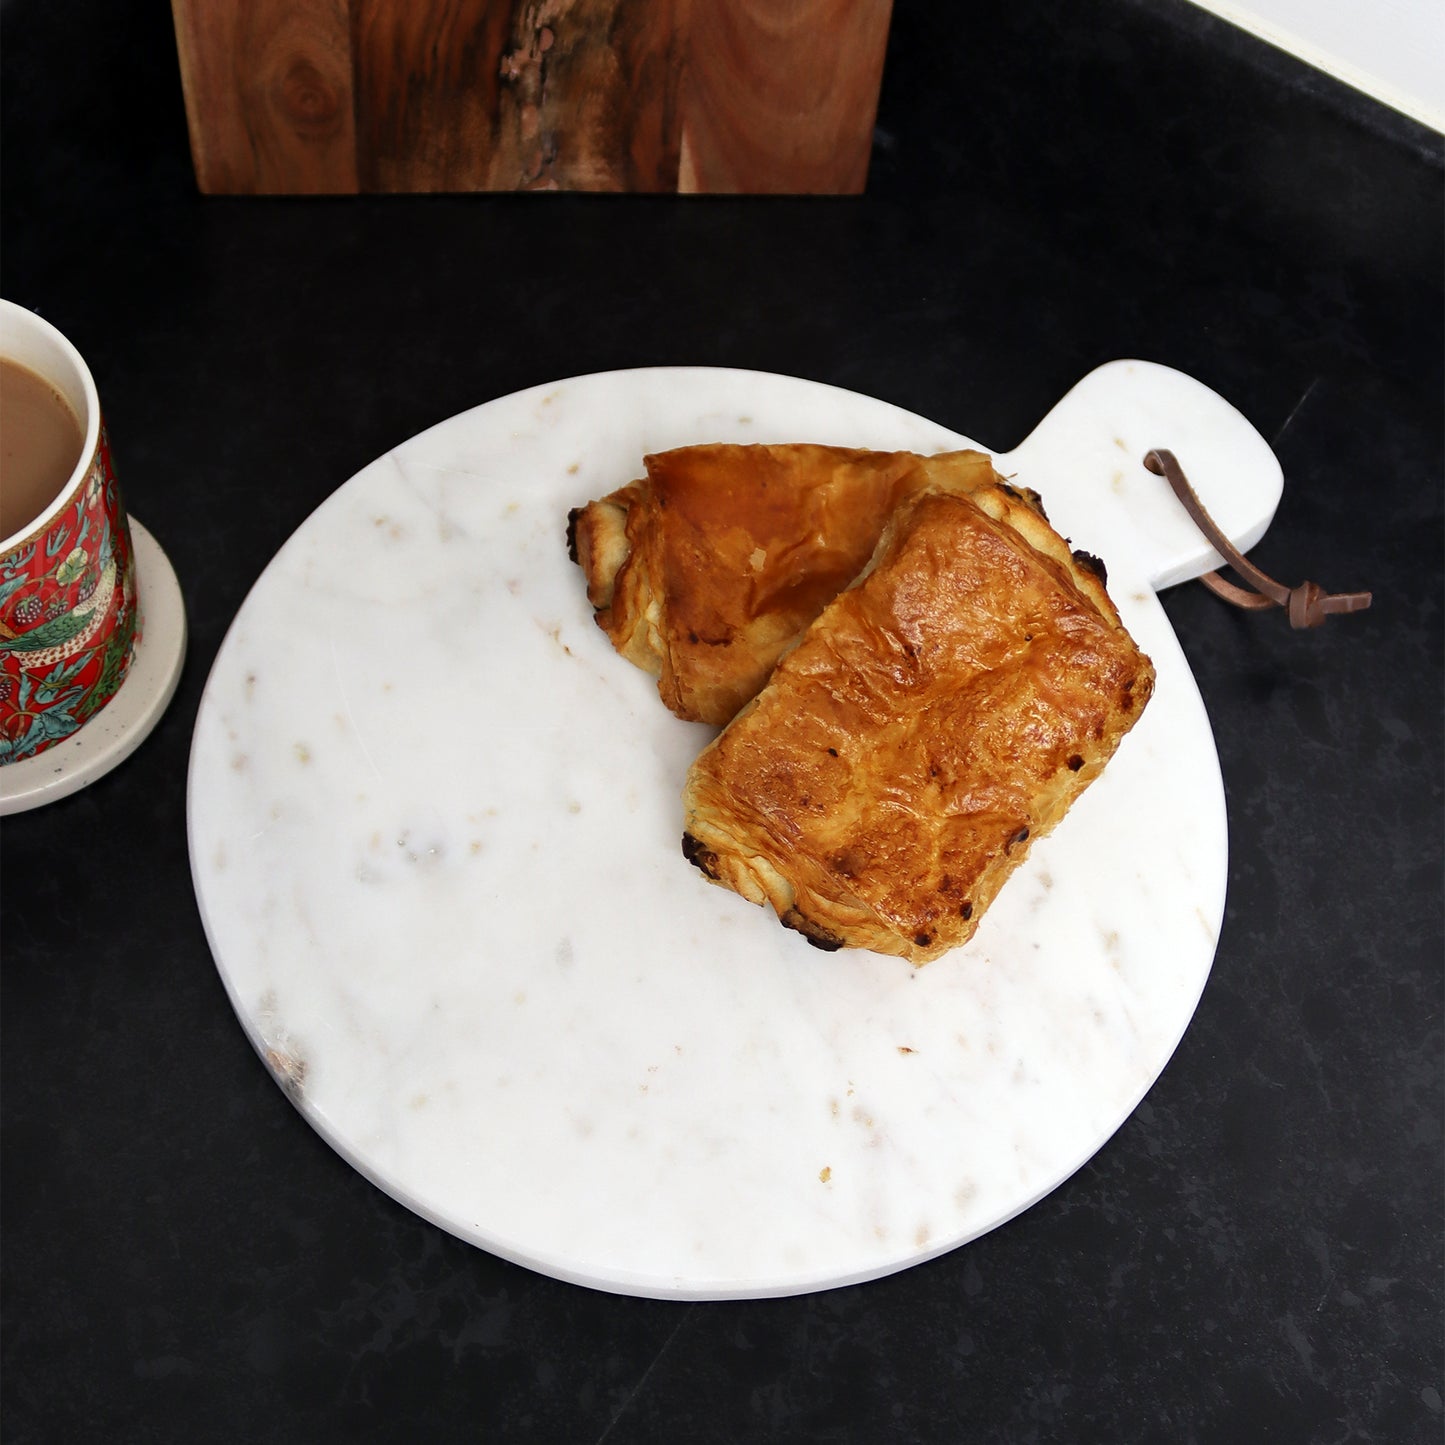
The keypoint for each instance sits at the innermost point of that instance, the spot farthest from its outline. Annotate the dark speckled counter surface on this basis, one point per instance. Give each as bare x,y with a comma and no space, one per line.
1257,1254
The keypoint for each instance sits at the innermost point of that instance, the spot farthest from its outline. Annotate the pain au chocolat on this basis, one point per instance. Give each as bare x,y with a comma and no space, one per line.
937,718
707,569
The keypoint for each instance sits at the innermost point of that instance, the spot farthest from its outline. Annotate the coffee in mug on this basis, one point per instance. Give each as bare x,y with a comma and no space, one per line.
40,441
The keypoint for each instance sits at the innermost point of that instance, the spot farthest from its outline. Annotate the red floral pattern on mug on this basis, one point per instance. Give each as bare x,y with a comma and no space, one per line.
67,617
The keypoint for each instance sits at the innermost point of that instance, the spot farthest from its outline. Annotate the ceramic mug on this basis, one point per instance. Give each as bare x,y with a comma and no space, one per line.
68,616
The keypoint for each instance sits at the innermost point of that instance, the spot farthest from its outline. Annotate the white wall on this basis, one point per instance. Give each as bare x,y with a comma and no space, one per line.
1393,50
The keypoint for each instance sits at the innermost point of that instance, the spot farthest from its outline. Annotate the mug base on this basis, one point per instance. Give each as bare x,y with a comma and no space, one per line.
127,719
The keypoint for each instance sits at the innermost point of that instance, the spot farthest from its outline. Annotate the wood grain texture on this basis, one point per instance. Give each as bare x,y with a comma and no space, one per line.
781,95
310,96
427,89
268,90
547,94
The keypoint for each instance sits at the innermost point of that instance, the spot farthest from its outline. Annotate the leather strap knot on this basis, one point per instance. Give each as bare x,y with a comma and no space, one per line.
1306,605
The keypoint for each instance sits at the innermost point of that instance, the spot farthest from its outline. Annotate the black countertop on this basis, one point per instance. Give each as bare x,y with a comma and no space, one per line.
1257,1254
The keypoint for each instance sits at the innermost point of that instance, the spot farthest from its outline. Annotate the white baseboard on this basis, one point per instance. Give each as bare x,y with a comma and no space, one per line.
1393,50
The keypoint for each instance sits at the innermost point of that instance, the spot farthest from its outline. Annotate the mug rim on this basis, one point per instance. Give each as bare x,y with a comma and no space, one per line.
13,315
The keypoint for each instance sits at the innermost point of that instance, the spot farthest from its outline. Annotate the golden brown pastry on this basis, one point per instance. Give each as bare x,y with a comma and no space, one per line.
937,718
706,570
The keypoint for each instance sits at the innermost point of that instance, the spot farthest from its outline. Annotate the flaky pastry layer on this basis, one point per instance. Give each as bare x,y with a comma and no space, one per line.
707,569
936,719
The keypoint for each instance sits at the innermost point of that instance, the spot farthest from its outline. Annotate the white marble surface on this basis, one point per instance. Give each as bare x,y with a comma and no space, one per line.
434,830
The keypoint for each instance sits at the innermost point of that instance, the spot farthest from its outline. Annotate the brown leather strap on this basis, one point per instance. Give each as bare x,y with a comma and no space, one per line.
1306,605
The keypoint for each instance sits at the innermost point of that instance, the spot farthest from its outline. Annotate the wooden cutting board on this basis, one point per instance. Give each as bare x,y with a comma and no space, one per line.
297,97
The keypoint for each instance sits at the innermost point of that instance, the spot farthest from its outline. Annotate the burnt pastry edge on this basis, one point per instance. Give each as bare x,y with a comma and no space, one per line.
705,860
701,857
818,936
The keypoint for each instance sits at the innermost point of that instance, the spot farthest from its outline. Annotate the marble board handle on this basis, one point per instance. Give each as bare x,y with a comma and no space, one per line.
1086,458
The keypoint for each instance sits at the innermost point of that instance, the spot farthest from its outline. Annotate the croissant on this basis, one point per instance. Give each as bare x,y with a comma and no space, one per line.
939,716
705,571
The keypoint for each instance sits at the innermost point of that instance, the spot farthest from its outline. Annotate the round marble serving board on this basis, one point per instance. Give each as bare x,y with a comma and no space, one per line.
434,832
